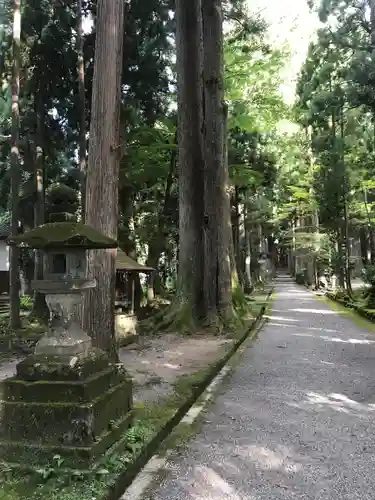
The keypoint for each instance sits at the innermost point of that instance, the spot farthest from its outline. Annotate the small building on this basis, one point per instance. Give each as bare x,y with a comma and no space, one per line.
128,286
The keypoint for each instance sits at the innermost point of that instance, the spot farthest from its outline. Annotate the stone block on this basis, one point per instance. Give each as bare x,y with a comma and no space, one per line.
71,367
60,391
32,454
80,411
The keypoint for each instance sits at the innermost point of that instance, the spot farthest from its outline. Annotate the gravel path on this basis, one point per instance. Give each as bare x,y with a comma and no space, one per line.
296,419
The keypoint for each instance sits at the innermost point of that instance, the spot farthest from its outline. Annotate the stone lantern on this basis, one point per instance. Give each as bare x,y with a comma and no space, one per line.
67,398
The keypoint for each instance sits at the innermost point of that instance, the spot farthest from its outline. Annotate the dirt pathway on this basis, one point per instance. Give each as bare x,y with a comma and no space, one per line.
295,421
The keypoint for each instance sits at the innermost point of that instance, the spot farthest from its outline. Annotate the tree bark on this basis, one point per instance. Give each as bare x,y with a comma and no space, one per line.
40,309
14,275
190,154
82,106
248,250
218,279
103,170
363,245
235,222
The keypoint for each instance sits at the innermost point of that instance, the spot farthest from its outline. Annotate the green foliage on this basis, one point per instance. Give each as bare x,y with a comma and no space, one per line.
368,275
26,303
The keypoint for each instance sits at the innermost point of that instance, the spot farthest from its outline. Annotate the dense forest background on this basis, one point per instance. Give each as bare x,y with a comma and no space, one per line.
301,182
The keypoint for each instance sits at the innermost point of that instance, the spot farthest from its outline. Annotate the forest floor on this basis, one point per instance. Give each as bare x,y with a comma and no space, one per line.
157,362
294,420
156,366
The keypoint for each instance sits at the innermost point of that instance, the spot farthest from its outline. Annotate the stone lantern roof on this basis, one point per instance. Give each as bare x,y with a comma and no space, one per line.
66,234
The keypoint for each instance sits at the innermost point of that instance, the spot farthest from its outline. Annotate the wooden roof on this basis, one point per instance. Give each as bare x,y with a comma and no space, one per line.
126,263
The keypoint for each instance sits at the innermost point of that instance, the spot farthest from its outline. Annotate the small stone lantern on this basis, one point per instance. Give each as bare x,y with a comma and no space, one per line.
65,281
67,398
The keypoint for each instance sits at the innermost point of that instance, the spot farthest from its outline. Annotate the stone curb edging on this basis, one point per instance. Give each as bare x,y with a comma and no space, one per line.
140,487
125,479
361,311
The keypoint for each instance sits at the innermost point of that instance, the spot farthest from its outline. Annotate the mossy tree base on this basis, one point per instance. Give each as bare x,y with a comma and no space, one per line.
70,406
179,317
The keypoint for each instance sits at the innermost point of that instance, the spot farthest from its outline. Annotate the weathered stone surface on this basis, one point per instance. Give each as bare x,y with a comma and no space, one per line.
63,423
52,368
34,454
62,235
43,391
72,406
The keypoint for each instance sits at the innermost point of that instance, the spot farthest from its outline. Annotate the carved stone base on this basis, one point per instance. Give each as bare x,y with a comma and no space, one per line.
74,407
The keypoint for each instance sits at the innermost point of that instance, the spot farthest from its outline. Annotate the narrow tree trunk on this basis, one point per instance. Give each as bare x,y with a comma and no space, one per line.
218,280
372,23
370,230
82,106
297,263
235,222
363,245
190,154
157,244
103,170
40,309
340,244
231,251
347,249
248,277
14,275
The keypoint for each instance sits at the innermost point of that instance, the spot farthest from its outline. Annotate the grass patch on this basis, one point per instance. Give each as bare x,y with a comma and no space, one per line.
28,328
351,314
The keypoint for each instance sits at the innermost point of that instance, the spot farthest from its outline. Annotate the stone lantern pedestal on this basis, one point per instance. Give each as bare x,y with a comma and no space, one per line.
67,398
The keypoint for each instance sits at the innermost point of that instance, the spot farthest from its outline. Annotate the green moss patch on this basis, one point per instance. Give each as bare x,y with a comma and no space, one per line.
57,235
361,316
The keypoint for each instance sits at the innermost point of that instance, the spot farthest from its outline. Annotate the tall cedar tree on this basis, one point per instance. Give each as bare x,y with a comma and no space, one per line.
103,169
14,277
190,156
218,286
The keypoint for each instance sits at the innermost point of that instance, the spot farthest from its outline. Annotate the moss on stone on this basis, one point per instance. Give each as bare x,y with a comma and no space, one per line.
58,235
77,456
64,424
49,391
50,368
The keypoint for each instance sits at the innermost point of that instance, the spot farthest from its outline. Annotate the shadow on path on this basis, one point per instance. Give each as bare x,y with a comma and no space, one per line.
296,419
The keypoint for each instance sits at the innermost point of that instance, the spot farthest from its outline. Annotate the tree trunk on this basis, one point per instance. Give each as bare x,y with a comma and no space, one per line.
14,275
363,245
40,309
157,244
190,154
231,251
218,279
372,245
103,170
248,278
340,245
347,250
82,106
235,222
